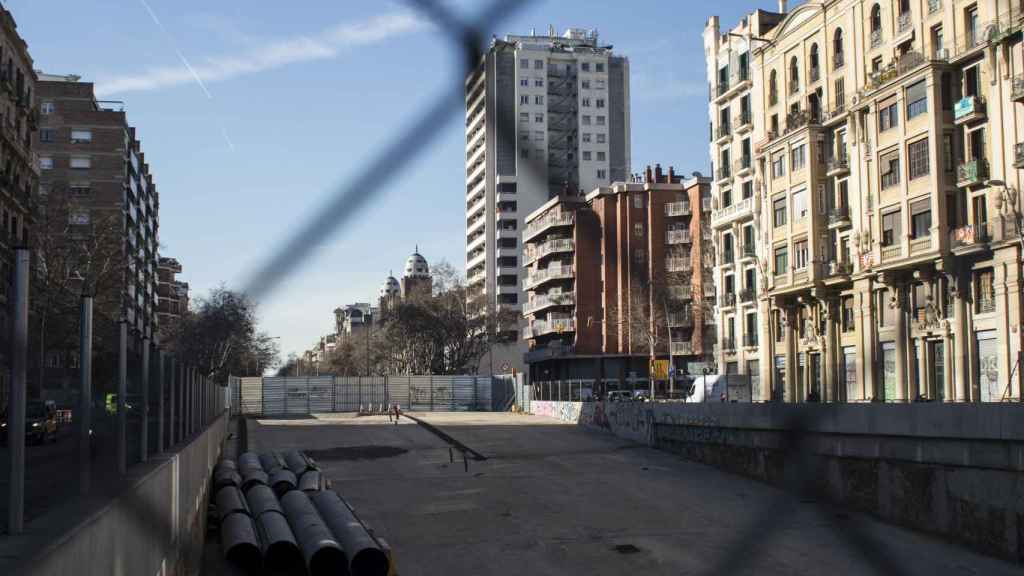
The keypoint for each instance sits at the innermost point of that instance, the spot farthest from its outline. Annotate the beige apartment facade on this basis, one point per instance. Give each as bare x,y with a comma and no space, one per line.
885,200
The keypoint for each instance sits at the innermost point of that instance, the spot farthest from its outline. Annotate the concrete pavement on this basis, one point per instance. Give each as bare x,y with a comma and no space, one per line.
552,498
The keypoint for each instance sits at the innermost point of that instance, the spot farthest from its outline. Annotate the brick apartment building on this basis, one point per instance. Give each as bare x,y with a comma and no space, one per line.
172,294
91,161
19,172
609,272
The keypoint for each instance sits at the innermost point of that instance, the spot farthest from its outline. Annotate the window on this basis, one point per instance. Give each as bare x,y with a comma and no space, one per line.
748,189
602,174
78,218
46,108
917,99
889,165
524,82
524,116
80,189
937,41
586,155
971,25
972,81
948,158
638,201
538,118
984,291
45,163
585,84
800,208
891,228
876,20
81,162
599,67
920,218
888,117
800,254
538,82
524,63
840,93
600,120
538,135
524,153
586,137
585,103
794,75
538,99
917,158
586,120
837,49
538,64
600,156
601,138
799,158
506,242
638,229
600,102
638,255
779,212
847,314
599,84
779,165
781,260
47,134
585,66
773,88
524,99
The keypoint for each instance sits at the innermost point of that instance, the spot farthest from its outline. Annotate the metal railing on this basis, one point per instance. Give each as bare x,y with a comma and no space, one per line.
547,221
904,22
839,215
972,172
538,277
678,264
876,38
677,237
537,251
552,326
680,319
748,295
727,299
837,164
540,302
681,208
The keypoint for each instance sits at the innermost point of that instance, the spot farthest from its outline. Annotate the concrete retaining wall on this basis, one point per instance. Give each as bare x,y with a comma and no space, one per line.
952,469
156,527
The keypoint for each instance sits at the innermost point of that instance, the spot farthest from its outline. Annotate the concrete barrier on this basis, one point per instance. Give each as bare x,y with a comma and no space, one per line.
157,526
956,470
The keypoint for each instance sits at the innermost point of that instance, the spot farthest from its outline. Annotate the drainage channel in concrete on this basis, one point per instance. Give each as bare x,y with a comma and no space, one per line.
447,438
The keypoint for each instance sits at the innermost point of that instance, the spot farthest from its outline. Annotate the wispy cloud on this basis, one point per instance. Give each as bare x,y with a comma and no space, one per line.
325,45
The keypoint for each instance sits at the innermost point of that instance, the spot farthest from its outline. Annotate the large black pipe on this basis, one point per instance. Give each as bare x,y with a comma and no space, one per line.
283,481
365,556
323,554
225,477
230,501
281,554
253,477
272,461
239,541
298,462
249,460
262,499
310,481
226,464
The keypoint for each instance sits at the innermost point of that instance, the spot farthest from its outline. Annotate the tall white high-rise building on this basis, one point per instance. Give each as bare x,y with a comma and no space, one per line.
545,115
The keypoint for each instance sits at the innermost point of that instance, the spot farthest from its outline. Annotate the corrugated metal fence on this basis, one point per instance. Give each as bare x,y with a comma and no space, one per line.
298,395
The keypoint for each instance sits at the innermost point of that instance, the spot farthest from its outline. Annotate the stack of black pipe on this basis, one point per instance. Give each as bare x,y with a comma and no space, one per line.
275,515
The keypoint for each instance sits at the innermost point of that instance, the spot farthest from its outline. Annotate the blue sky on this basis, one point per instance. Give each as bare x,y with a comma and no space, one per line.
292,102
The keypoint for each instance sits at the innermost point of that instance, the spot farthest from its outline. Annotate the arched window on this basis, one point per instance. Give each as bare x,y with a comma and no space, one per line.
814,62
794,75
773,88
838,58
876,19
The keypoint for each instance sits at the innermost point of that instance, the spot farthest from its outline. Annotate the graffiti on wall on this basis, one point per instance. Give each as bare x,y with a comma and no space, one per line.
632,420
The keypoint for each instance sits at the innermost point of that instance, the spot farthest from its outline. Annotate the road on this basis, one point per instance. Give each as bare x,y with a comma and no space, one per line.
552,498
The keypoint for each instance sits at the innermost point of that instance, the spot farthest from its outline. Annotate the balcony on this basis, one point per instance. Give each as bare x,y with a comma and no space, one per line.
709,290
547,221
721,88
934,6
673,209
548,352
728,344
969,239
537,251
742,166
728,258
677,237
1018,155
1017,90
750,339
682,348
794,87
539,277
739,210
904,22
743,121
553,326
727,300
969,109
797,120
837,166
748,295
840,268
678,264
892,252
544,301
722,173
749,250
972,173
839,217
681,292
876,38
682,319
722,131
985,305
705,204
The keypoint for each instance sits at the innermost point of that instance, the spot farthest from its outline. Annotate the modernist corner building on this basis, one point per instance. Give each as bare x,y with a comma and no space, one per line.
867,199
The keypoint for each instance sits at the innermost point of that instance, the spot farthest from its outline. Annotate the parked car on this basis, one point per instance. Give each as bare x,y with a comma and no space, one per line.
620,396
40,422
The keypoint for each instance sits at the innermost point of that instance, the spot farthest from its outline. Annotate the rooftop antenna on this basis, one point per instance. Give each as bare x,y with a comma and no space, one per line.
551,30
